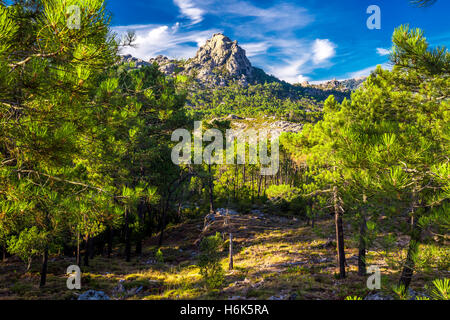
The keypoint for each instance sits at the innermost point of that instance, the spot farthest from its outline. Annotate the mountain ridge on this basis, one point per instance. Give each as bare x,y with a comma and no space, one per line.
221,61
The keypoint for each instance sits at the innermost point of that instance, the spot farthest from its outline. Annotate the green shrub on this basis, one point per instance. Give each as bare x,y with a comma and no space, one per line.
286,198
159,256
441,290
209,261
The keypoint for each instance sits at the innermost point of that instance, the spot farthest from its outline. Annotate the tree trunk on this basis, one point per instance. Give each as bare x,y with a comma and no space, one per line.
408,268
252,189
86,251
141,217
101,244
78,250
230,267
110,241
259,185
362,240
163,222
149,222
91,248
44,268
339,234
362,247
211,191
235,182
3,249
127,237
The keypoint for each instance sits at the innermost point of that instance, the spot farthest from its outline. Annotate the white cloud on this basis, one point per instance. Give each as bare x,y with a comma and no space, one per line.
173,42
301,57
383,52
280,17
268,34
189,10
255,49
289,71
302,78
323,49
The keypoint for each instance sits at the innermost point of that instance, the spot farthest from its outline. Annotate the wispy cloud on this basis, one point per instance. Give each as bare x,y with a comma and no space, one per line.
189,10
173,41
289,70
256,48
267,34
301,57
383,52
280,17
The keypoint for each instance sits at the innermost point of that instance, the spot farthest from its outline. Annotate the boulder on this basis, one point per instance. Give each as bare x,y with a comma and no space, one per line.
93,295
378,296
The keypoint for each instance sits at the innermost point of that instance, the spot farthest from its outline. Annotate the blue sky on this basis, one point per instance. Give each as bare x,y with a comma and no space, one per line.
293,40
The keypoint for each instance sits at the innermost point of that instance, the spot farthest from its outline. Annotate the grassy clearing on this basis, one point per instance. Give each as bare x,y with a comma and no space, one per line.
275,257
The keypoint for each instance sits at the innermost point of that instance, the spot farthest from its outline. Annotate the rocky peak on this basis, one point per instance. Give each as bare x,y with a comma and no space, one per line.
217,63
222,59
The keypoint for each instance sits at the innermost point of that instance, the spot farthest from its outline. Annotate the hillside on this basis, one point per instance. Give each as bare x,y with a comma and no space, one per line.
120,179
276,258
222,65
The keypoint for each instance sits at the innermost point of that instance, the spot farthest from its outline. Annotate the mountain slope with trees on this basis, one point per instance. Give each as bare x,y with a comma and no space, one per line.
86,175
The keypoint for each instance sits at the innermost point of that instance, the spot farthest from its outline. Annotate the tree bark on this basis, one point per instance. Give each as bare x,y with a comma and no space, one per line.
408,268
163,222
3,250
230,267
127,237
139,236
362,241
86,252
211,191
110,242
78,250
91,248
259,186
44,268
339,234
362,247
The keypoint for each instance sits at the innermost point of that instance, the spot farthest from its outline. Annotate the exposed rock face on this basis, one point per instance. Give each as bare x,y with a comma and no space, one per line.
353,84
336,85
220,60
137,62
216,63
166,66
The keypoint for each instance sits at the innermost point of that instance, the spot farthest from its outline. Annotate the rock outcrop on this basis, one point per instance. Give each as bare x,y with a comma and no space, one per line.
166,65
219,61
138,63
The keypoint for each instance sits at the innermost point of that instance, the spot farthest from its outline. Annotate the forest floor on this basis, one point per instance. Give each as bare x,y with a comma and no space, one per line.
275,258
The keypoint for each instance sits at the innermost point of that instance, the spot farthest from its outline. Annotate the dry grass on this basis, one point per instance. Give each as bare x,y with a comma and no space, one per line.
274,257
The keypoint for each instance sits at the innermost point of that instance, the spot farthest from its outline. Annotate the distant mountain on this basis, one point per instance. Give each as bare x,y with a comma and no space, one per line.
343,85
217,63
221,61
